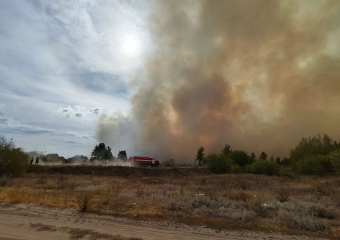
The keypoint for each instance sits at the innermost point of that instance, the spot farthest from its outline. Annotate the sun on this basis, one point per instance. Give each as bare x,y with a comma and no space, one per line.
130,45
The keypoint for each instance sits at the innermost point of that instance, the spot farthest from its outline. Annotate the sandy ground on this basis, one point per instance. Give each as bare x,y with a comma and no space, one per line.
28,221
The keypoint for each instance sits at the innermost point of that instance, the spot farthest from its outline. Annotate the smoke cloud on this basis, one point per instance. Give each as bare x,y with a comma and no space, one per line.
257,75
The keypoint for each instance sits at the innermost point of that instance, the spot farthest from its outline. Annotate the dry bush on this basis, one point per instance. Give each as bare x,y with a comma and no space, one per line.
84,198
283,195
304,215
112,195
323,188
50,184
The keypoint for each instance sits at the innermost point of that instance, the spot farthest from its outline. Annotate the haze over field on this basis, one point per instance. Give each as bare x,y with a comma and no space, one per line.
162,78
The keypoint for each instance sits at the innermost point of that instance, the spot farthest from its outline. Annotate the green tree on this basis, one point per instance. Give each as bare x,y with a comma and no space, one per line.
13,161
285,162
314,165
278,160
313,148
240,158
122,155
200,157
335,159
226,150
263,156
100,152
218,163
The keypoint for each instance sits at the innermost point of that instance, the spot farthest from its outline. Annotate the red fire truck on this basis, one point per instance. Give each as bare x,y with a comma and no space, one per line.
144,161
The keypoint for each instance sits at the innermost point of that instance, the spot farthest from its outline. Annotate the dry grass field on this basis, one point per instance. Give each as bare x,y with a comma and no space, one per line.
298,205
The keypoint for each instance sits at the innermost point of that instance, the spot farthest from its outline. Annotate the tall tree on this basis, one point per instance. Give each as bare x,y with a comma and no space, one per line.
200,156
240,158
122,155
100,152
263,156
226,150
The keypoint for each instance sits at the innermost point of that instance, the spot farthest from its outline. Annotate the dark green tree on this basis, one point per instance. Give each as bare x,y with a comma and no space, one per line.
200,157
100,152
226,149
313,148
263,156
240,158
278,160
285,162
122,155
218,163
13,161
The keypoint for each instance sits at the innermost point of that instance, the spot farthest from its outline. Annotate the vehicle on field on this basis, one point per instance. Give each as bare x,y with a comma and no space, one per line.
144,161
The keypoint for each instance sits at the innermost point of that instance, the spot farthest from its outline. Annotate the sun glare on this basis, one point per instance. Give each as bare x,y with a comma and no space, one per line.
130,45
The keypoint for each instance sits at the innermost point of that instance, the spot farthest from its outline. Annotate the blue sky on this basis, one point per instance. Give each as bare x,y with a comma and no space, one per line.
62,65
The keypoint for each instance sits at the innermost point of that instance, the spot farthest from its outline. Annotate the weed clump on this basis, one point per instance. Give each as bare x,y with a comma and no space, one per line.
84,200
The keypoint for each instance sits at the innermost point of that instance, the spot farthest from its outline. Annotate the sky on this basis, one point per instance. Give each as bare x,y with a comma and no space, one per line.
162,78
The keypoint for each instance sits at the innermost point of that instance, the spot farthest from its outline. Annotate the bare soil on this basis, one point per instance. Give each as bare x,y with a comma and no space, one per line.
30,221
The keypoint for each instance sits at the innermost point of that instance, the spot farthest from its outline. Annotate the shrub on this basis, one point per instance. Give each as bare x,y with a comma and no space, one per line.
303,215
265,167
240,158
283,195
218,163
84,199
169,163
13,161
335,159
314,165
200,201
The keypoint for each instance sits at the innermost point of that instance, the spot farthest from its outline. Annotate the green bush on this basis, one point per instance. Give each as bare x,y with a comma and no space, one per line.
218,163
315,165
265,167
285,162
335,160
13,161
240,158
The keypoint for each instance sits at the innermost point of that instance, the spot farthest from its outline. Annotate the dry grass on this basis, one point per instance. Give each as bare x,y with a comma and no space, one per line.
248,201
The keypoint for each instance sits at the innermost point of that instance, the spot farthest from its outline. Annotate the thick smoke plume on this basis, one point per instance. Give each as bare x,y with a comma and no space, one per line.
257,75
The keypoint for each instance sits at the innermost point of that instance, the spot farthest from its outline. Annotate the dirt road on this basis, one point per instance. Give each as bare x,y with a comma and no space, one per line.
32,222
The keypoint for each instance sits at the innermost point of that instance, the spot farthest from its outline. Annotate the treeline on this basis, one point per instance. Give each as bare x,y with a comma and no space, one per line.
238,161
314,156
102,153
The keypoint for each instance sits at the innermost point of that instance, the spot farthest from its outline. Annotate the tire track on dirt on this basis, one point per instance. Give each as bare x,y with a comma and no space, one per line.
22,221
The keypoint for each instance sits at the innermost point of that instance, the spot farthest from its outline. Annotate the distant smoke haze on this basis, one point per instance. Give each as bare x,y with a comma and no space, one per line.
257,75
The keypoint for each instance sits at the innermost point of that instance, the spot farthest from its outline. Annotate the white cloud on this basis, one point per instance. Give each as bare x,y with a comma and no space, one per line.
63,58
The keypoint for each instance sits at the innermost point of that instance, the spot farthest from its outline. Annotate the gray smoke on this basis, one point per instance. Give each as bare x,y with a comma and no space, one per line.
257,75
